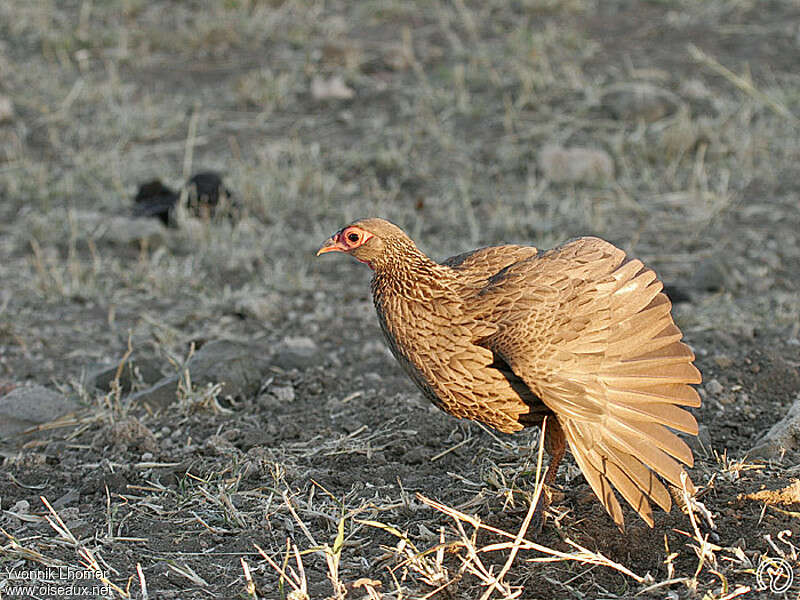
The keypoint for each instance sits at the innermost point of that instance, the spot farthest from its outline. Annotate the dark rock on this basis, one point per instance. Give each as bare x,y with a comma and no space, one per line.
135,370
415,456
29,406
783,436
239,367
701,443
710,276
677,294
159,395
206,194
154,199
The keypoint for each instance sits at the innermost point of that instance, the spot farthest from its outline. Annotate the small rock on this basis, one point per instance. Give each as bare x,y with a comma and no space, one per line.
6,109
28,406
216,445
159,395
238,367
714,387
119,230
395,57
296,353
726,398
783,436
572,165
634,101
723,361
677,294
207,195
69,513
131,433
415,456
710,276
701,443
134,370
71,497
154,199
332,88
695,89
260,308
283,393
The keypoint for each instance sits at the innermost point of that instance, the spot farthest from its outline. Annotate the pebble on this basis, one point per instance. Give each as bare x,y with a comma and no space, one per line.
575,165
723,361
284,393
637,100
710,276
6,109
714,387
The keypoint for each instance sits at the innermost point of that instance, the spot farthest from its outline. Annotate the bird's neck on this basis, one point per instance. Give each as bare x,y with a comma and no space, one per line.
412,276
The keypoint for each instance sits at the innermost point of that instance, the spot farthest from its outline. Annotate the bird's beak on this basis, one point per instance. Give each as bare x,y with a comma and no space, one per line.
332,244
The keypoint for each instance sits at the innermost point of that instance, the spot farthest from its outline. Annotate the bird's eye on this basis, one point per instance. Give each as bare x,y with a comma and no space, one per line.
353,237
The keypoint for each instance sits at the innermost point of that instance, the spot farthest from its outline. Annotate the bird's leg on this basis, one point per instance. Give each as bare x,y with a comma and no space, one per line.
556,445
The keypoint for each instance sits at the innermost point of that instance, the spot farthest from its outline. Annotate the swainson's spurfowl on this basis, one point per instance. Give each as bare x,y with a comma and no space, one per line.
509,335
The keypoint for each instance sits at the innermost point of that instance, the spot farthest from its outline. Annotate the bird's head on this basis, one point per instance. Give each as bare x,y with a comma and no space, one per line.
371,241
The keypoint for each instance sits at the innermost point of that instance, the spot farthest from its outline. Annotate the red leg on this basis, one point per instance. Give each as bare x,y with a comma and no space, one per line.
556,445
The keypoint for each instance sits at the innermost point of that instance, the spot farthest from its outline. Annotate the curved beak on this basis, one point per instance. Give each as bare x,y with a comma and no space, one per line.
332,244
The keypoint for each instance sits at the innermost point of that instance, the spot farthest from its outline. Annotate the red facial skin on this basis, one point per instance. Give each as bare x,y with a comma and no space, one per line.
346,240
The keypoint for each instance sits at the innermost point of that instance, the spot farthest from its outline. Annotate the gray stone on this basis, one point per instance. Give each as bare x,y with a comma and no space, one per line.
701,443
135,369
119,229
574,165
284,393
638,100
29,406
710,276
239,367
783,436
260,307
159,395
714,387
6,109
296,353
723,361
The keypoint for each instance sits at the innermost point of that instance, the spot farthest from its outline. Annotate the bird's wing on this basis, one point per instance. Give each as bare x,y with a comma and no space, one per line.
589,332
478,265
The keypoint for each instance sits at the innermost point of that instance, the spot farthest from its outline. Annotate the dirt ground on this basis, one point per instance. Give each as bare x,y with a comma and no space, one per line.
433,115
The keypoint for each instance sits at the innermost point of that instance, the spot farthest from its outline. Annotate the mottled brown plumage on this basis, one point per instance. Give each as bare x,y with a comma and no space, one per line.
508,335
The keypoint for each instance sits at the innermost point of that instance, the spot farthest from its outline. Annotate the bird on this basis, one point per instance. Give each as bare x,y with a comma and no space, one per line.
578,340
